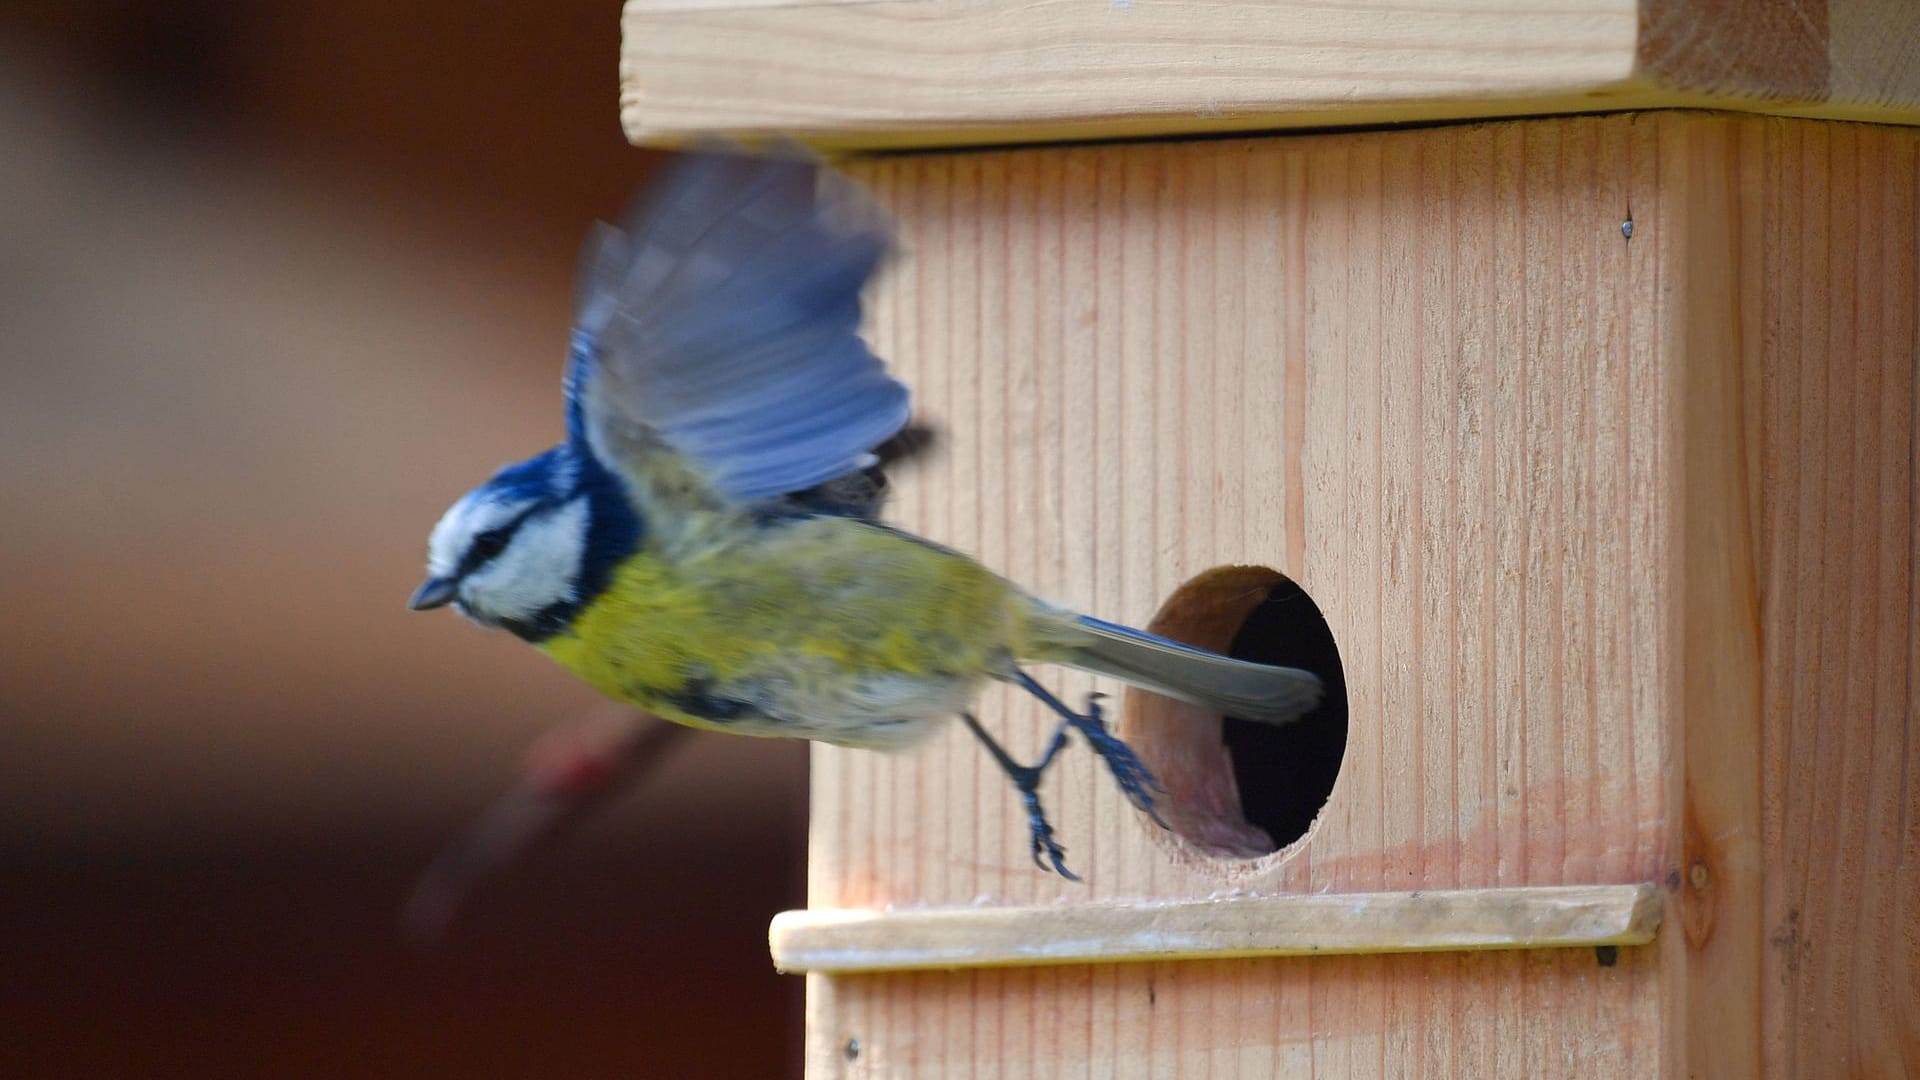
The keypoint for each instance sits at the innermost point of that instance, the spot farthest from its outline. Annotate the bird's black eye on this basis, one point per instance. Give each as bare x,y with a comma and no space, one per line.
487,545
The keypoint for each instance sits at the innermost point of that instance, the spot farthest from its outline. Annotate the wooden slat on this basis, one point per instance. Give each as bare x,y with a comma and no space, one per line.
925,72
1111,933
1829,293
1715,617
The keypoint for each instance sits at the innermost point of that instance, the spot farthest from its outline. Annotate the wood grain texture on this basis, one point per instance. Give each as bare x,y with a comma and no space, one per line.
867,73
1616,536
1715,778
1827,244
914,70
1873,53
1328,924
1406,369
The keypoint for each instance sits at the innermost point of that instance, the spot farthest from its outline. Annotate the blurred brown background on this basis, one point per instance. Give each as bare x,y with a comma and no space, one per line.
277,282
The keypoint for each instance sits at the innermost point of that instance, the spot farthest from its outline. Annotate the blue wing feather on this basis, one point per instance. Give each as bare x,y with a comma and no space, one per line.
723,323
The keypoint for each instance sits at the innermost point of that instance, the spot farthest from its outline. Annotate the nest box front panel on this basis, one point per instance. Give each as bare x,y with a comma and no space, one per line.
1421,374
1417,373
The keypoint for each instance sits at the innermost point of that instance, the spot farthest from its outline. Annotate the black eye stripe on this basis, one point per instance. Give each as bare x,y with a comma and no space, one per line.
488,545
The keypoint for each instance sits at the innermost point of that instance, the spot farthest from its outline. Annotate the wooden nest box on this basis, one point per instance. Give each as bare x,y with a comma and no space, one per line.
1577,451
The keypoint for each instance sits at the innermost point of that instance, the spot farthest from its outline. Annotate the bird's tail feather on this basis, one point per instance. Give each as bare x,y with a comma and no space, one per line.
1237,688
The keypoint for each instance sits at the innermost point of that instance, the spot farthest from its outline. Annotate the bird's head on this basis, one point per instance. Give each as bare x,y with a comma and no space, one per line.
519,550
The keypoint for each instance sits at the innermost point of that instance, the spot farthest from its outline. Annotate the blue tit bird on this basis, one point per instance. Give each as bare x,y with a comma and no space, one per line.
705,542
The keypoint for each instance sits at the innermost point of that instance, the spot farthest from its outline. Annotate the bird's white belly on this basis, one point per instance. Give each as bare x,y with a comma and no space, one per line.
878,712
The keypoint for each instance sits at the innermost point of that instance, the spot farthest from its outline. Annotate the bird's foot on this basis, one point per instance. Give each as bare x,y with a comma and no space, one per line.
1136,781
1047,852
1045,848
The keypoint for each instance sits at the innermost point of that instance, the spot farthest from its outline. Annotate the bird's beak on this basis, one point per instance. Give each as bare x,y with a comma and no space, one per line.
433,593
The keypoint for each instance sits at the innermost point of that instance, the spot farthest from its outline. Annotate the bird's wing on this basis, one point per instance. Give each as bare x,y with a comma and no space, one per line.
722,324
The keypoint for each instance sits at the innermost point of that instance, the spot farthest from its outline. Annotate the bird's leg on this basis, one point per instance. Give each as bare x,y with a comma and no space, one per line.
1136,781
1027,779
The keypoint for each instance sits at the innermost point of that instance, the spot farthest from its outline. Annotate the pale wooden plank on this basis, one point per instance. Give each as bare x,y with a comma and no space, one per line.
909,69
1833,229
1436,674
1505,604
1873,55
1718,784
926,72
1536,917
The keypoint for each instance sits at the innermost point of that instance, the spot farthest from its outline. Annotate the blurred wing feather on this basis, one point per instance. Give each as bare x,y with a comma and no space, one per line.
724,324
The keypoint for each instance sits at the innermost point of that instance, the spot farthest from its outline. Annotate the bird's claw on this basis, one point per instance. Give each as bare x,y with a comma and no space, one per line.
1026,779
1045,848
1136,781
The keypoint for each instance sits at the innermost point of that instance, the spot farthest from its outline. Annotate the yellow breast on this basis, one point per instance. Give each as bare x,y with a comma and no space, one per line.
804,605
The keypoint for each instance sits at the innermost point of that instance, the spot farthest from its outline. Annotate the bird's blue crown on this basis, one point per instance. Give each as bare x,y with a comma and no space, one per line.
561,475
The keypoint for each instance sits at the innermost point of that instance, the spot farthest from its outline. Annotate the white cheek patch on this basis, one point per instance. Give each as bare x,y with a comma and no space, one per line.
537,570
467,519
